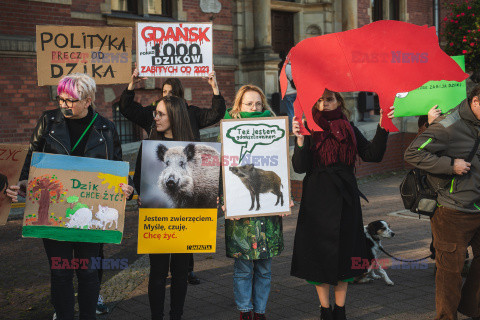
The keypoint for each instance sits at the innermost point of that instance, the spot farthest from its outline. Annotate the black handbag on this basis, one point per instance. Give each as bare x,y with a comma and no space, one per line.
418,195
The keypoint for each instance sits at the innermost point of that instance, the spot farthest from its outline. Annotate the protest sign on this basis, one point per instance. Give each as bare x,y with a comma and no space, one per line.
12,157
179,190
104,53
386,57
75,199
174,49
445,94
177,230
256,177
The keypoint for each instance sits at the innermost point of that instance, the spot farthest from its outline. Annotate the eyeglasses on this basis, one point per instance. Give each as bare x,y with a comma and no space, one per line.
158,114
68,102
257,105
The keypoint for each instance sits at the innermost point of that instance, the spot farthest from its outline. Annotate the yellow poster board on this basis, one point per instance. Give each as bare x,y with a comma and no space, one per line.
177,230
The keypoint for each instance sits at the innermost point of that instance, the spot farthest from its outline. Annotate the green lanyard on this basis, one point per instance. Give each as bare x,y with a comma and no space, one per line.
84,132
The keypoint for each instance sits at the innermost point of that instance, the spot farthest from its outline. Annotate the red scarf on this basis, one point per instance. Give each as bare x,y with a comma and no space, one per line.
336,143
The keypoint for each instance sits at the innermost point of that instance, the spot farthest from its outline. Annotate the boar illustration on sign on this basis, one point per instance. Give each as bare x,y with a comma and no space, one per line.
259,181
255,166
185,180
385,57
63,193
83,218
80,219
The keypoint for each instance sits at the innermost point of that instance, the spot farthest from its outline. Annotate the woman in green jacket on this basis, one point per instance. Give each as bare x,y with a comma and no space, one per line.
253,241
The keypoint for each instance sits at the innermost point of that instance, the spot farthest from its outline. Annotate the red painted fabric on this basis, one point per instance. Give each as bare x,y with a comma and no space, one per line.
385,57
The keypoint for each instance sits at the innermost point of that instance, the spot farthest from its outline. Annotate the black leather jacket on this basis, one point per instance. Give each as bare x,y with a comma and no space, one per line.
51,136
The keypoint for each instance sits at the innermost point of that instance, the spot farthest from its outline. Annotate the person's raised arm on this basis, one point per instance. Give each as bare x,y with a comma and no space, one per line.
208,117
373,151
212,81
301,159
133,110
135,79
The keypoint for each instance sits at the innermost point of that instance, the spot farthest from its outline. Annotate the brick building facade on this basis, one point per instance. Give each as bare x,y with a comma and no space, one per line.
247,35
22,101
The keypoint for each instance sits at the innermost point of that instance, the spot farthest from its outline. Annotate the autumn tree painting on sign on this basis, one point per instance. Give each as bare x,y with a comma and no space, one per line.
45,189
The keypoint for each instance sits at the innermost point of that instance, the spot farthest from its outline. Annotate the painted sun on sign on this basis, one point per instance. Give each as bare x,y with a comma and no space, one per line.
112,181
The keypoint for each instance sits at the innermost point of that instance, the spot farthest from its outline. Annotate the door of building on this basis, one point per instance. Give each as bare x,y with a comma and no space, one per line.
282,31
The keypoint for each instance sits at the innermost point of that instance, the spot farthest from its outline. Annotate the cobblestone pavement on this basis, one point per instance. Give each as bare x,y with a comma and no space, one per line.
412,296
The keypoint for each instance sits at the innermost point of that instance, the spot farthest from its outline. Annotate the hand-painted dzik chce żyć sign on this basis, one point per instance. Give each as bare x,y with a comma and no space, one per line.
75,199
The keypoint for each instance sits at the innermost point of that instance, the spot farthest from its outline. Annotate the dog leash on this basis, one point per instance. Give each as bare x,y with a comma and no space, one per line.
402,260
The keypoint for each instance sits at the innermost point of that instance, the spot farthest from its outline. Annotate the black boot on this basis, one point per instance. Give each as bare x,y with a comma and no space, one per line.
339,313
326,313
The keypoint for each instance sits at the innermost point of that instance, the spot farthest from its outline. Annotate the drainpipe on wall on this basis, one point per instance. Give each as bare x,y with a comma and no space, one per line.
436,17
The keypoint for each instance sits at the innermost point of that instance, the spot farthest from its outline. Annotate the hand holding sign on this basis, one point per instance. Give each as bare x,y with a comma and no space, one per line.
135,79
212,81
296,131
251,135
389,116
12,193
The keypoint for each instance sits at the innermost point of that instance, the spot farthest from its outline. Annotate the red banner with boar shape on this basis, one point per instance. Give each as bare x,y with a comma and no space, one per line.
174,49
386,57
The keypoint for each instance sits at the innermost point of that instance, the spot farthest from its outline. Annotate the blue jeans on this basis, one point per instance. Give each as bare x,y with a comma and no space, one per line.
288,104
251,284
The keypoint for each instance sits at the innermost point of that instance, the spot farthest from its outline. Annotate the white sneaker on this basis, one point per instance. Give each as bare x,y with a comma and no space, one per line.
54,316
101,307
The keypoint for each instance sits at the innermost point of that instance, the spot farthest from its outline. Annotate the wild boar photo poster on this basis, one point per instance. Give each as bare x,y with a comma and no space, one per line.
178,193
255,167
75,199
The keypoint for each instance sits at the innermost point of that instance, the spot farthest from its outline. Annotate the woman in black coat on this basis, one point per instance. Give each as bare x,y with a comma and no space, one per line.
330,228
73,129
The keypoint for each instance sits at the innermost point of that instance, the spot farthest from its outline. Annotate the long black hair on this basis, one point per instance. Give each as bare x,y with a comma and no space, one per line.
179,120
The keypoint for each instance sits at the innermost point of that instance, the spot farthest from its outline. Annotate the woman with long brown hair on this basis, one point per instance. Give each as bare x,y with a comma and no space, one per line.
199,117
329,230
171,123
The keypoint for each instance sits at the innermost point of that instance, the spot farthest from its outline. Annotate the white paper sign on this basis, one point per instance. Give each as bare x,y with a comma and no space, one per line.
174,49
255,167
